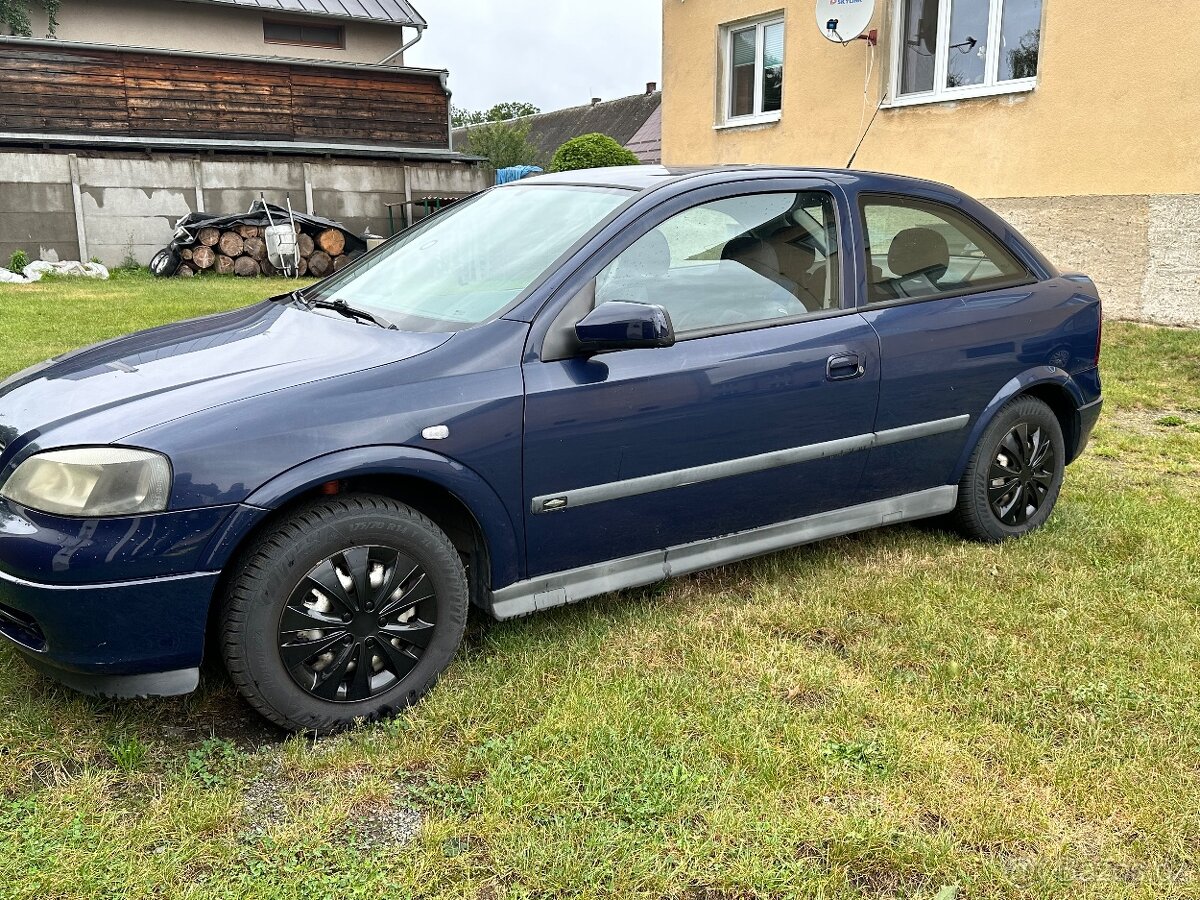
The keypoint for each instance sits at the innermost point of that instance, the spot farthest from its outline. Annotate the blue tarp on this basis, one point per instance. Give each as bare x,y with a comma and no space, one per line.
516,173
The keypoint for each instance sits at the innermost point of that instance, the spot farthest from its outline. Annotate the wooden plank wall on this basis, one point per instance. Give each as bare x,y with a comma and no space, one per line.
142,94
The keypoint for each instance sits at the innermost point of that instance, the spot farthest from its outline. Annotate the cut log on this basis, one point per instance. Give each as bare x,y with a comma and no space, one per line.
224,264
230,244
340,262
245,267
332,241
247,231
185,271
255,248
185,254
306,245
302,269
208,237
203,257
320,264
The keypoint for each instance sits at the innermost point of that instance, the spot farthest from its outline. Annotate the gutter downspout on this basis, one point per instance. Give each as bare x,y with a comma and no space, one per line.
420,34
444,78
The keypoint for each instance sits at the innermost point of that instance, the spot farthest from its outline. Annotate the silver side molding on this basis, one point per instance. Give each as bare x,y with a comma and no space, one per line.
561,588
647,484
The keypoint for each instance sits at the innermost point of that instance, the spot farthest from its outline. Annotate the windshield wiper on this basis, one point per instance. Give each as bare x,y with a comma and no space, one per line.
341,307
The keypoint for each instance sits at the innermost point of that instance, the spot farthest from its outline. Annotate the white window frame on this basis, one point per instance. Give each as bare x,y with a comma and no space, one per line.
991,87
725,119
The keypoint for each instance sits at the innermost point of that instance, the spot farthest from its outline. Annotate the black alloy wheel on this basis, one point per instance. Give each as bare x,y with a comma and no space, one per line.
357,624
346,609
1022,474
1013,479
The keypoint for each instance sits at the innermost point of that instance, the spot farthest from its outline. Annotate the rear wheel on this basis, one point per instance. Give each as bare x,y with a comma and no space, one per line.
348,610
1015,475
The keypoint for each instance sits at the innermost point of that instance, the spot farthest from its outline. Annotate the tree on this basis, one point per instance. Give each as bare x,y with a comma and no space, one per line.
503,144
15,14
501,112
591,151
1023,60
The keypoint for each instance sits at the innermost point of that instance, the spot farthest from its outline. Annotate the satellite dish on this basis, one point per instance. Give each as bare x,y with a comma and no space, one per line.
844,20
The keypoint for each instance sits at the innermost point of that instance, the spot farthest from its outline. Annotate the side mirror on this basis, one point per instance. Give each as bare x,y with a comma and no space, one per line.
618,325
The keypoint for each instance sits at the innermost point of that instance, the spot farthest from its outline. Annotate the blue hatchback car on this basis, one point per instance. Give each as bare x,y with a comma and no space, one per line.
561,387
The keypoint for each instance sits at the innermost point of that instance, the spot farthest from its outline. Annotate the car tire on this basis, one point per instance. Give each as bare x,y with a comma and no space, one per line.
1015,474
348,610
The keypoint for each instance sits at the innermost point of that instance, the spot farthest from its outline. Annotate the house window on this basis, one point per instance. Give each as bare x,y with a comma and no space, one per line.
753,71
305,34
953,49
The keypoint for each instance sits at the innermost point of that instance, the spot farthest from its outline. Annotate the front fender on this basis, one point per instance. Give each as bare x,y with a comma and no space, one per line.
476,494
1030,378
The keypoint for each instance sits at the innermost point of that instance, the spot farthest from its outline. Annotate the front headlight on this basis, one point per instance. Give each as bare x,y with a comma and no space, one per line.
92,481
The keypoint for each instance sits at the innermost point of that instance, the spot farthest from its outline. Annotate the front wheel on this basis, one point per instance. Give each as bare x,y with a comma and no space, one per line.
1015,474
348,610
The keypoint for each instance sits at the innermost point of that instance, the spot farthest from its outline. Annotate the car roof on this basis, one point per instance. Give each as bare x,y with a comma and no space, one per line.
643,178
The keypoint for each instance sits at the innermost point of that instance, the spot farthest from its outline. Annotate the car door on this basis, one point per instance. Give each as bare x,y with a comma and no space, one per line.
951,305
749,417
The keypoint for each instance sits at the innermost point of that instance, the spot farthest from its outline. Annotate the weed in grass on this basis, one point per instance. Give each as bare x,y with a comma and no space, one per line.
1171,421
130,262
867,757
212,762
18,261
128,752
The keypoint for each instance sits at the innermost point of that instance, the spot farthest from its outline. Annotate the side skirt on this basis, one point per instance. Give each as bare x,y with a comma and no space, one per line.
573,585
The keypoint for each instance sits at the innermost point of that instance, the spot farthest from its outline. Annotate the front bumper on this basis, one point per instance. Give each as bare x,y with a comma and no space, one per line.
116,606
129,639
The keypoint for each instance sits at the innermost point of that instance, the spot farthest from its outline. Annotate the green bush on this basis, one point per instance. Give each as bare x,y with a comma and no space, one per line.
591,151
18,261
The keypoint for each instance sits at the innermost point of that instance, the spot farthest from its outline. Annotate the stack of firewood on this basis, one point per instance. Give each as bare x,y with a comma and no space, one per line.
242,251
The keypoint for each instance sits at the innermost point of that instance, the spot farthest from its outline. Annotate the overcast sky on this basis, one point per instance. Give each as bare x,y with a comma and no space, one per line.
552,54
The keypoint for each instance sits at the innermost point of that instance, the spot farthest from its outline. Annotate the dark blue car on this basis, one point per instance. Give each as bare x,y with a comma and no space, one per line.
561,387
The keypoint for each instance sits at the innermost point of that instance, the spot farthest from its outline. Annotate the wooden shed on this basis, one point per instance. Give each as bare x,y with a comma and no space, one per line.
103,148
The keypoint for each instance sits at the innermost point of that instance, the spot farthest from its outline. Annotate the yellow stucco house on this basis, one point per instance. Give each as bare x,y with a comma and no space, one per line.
1078,120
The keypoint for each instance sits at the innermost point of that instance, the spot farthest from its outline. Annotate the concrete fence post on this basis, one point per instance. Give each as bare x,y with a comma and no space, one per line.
198,178
77,198
408,207
308,189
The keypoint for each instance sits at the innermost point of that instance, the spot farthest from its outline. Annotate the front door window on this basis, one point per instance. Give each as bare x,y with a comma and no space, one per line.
736,262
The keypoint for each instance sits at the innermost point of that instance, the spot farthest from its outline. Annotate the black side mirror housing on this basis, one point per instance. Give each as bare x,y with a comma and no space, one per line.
618,325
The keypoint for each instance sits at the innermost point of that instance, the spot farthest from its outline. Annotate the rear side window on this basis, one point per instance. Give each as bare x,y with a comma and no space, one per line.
917,249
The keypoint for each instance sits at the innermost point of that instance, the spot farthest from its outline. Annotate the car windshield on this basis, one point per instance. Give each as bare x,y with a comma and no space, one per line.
465,265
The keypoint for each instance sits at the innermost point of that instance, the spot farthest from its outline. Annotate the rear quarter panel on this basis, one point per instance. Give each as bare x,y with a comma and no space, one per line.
971,353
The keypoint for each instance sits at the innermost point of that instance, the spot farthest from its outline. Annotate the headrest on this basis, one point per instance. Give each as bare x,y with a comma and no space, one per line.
919,251
790,241
648,258
753,253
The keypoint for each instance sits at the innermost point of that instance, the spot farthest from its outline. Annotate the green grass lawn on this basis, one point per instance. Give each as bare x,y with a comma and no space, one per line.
896,714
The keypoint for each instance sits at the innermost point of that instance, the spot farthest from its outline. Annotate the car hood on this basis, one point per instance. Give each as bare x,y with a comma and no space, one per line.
104,393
